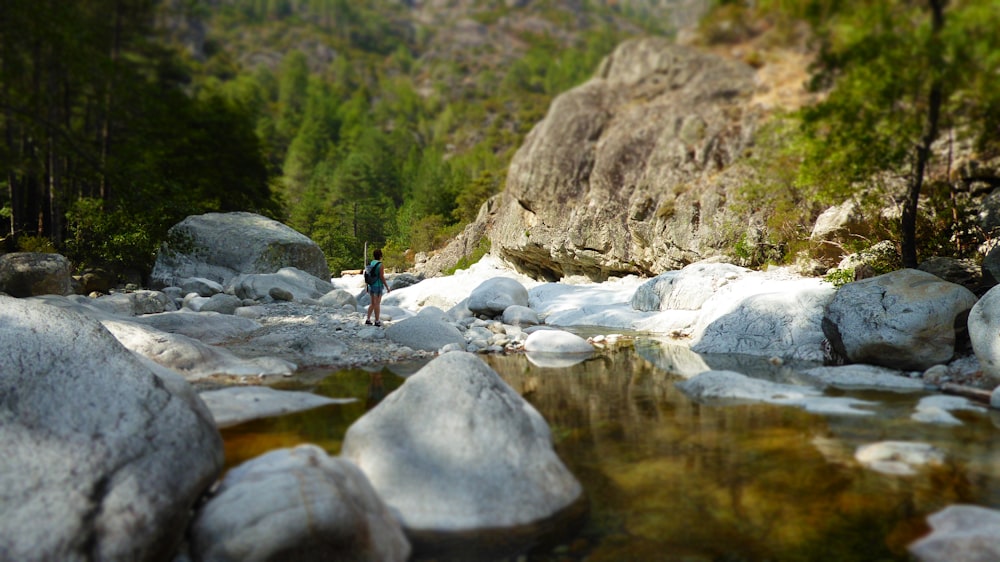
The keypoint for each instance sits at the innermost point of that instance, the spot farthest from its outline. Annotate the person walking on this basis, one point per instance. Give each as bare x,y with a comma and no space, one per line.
376,289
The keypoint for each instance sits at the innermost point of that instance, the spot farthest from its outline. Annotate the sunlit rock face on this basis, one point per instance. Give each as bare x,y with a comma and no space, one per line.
630,171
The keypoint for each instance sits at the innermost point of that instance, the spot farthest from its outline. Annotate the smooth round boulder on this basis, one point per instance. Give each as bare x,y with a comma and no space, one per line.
204,287
30,274
297,504
517,315
222,303
456,449
287,284
104,453
493,296
339,298
557,342
907,319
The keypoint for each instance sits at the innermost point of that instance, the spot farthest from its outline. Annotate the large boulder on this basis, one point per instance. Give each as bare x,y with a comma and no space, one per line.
906,319
455,449
686,289
297,504
493,296
104,453
984,332
219,246
630,171
780,318
28,274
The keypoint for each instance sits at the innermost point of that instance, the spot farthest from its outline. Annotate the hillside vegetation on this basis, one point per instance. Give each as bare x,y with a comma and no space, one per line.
390,122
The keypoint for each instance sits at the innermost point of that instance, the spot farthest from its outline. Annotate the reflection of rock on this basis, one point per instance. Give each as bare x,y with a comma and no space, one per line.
899,458
676,359
557,360
729,386
937,409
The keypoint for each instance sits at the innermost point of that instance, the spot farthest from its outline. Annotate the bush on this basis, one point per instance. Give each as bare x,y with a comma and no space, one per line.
39,244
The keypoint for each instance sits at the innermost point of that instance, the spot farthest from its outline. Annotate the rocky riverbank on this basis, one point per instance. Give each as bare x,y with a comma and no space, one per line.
103,390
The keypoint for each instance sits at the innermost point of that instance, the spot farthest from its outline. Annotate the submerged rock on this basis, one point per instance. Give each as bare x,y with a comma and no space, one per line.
900,458
960,533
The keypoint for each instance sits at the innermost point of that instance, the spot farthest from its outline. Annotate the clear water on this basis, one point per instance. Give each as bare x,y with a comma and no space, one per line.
669,479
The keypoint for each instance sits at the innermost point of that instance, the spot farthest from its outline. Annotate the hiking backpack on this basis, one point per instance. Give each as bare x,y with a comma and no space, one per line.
371,273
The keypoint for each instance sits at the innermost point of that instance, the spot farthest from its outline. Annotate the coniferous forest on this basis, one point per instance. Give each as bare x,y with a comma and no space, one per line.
389,123
121,117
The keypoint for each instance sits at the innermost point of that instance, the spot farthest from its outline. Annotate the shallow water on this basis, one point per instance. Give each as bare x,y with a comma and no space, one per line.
669,479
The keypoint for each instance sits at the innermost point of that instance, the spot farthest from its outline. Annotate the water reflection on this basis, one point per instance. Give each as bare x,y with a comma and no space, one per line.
670,479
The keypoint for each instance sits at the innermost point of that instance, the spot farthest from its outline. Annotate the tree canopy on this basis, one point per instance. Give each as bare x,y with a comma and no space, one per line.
895,77
102,147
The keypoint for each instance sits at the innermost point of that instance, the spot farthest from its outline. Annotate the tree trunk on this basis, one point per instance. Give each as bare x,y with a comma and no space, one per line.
105,188
908,221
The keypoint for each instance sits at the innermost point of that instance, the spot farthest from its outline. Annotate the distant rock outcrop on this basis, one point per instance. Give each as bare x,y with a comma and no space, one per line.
629,172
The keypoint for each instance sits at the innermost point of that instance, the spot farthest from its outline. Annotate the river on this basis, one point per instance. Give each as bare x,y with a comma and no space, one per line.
667,478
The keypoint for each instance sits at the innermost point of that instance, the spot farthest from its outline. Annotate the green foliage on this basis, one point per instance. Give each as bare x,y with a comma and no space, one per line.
876,68
118,238
108,142
840,277
39,244
482,249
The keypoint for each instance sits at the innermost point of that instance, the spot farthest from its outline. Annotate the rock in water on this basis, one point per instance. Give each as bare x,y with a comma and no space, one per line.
297,504
456,449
